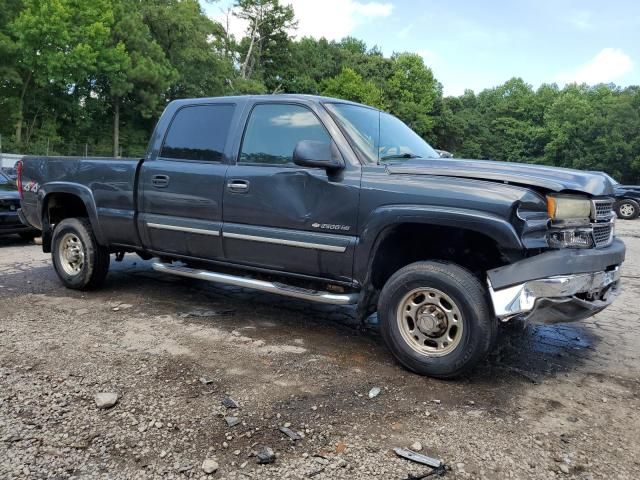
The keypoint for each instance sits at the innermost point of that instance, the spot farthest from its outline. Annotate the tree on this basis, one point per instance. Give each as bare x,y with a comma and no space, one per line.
411,92
508,110
349,85
57,44
134,67
10,75
269,23
194,46
93,75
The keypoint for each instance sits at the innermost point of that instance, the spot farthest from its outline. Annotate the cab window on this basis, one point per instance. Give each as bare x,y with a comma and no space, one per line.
274,130
198,132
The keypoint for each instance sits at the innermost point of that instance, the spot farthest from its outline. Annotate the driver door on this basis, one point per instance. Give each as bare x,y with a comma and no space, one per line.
281,216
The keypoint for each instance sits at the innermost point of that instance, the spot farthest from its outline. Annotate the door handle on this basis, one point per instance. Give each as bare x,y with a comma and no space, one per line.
238,186
160,181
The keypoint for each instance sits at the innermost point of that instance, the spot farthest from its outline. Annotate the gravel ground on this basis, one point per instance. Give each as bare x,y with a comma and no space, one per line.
550,401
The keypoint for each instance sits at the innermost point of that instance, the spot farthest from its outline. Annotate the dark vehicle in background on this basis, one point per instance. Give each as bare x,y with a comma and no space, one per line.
443,153
338,203
627,197
10,173
10,222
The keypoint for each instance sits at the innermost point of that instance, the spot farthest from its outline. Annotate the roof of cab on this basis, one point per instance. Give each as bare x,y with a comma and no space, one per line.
274,97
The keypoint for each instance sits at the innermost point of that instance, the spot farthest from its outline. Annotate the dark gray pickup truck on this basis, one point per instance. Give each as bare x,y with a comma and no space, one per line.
334,202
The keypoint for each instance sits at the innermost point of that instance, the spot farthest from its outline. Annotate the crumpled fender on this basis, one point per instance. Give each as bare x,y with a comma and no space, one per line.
387,217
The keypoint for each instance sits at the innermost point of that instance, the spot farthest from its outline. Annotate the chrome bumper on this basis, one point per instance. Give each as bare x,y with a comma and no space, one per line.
562,298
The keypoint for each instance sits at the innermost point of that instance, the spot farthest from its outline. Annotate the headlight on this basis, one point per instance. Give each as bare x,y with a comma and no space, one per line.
565,207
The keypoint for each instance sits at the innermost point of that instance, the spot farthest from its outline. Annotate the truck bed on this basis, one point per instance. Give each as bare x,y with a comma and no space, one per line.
108,184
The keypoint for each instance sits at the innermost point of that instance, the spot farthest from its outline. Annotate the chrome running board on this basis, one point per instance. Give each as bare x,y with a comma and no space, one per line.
271,287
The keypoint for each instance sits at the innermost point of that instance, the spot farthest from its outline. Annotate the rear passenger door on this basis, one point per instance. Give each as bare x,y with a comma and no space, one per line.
181,200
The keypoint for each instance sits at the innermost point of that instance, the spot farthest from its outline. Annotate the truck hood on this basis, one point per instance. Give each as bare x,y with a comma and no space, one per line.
548,178
627,188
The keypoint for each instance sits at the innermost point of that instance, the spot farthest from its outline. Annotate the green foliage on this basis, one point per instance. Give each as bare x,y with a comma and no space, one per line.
266,45
54,46
134,67
595,129
191,43
411,91
93,76
590,128
351,86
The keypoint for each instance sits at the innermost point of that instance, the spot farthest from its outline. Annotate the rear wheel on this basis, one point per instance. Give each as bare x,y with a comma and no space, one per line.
627,209
79,261
435,319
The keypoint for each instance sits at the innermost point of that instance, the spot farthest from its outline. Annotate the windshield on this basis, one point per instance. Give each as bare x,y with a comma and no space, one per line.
6,184
380,137
611,179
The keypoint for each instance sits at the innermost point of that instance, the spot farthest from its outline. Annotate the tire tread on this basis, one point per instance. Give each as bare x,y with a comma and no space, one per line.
475,295
97,256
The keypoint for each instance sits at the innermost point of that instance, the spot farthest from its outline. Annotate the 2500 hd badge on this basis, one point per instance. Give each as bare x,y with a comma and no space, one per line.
328,226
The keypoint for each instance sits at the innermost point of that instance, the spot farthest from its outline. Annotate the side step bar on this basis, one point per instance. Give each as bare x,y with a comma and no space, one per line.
278,288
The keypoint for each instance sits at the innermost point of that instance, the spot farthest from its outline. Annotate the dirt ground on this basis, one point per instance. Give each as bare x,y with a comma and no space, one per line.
550,401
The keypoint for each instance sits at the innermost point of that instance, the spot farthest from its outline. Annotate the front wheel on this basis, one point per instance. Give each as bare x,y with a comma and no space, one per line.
435,319
627,209
79,261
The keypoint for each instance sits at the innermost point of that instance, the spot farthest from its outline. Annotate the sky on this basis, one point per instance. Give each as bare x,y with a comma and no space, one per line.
481,44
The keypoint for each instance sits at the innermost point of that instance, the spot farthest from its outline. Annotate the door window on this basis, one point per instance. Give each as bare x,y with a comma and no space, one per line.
198,132
273,131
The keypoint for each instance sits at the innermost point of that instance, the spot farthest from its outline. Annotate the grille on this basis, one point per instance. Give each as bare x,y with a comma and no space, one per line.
602,234
603,209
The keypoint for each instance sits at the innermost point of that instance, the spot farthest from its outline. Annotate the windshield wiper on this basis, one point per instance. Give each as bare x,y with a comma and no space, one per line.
400,155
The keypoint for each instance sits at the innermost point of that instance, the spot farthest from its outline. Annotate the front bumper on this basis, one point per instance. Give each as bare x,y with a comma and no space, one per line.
558,296
563,298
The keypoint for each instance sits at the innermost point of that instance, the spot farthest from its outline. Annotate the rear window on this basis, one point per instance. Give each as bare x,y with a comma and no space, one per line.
3,180
198,132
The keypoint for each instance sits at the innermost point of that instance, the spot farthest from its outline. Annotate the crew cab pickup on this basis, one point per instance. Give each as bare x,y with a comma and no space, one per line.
335,202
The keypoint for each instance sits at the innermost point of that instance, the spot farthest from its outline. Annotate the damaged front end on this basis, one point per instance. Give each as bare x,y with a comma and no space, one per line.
576,278
555,299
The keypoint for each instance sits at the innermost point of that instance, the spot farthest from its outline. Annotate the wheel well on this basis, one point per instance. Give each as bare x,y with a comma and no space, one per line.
64,205
413,242
57,207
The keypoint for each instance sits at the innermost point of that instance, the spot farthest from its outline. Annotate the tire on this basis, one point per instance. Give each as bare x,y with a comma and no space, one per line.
28,236
470,329
627,209
87,264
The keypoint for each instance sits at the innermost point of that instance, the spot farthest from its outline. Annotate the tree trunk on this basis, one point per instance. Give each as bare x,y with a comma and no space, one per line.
256,22
19,125
116,127
20,118
245,65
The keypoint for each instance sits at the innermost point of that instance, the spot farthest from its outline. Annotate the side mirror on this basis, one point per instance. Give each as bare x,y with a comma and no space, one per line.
315,154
